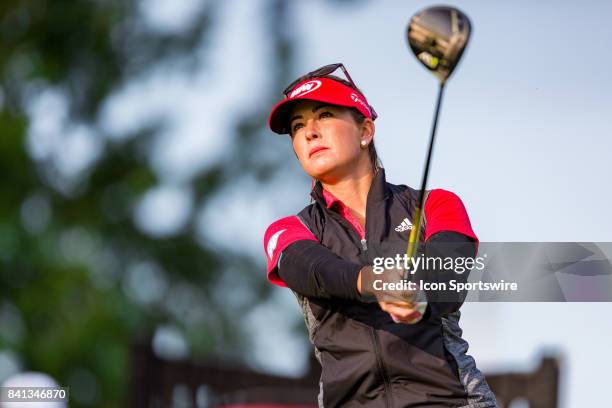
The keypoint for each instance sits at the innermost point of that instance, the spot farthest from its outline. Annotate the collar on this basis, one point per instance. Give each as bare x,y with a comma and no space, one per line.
330,199
378,191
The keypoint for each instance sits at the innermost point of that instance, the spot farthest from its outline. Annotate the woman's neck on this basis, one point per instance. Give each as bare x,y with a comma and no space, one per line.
352,191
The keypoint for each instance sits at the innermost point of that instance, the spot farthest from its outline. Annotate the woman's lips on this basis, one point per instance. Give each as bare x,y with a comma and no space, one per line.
316,150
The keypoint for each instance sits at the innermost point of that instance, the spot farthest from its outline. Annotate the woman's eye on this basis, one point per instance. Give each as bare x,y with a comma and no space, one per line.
296,127
326,114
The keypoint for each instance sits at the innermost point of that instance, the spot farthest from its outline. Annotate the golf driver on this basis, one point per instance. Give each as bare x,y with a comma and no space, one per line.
437,36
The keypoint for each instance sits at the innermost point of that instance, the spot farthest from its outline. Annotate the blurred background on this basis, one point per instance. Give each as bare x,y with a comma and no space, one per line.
138,174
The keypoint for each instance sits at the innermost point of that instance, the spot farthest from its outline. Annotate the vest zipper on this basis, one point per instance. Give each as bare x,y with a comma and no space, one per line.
343,221
379,361
381,368
364,244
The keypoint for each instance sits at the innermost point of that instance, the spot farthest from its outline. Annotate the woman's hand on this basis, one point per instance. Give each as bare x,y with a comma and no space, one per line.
404,312
403,305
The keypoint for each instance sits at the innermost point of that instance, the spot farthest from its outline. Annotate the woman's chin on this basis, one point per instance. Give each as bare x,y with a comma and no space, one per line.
324,173
319,168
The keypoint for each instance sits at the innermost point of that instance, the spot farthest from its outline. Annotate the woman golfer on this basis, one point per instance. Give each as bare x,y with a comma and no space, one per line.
387,352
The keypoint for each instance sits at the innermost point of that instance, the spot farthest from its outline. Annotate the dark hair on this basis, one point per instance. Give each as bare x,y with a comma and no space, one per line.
359,118
374,159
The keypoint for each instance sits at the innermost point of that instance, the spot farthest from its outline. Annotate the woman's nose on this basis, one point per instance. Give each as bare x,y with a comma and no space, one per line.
312,129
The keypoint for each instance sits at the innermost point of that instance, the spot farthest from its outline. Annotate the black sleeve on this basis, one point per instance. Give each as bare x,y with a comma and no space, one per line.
447,244
313,270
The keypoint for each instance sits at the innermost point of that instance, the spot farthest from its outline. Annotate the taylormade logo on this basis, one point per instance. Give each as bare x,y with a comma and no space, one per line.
305,88
357,99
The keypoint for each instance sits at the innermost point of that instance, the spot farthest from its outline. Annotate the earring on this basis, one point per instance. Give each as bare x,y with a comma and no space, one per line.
363,144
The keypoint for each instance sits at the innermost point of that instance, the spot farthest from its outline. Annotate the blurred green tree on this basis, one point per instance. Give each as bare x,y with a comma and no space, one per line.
68,241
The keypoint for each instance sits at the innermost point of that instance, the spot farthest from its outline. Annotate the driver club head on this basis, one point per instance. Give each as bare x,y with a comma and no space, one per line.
438,36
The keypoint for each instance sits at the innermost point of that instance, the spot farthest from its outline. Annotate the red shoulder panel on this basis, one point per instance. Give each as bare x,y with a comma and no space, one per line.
445,211
279,235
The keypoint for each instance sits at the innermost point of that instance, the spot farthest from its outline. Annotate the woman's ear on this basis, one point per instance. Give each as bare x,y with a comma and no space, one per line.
367,130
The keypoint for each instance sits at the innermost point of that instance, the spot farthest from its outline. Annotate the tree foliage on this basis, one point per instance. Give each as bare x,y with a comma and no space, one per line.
68,242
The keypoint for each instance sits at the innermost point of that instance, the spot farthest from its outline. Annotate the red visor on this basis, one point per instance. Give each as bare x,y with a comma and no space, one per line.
317,89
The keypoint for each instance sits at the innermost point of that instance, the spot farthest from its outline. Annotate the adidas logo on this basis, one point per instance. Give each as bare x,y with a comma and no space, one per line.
404,226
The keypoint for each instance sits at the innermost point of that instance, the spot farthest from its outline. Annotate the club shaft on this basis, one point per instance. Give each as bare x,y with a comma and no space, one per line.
418,216
431,146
